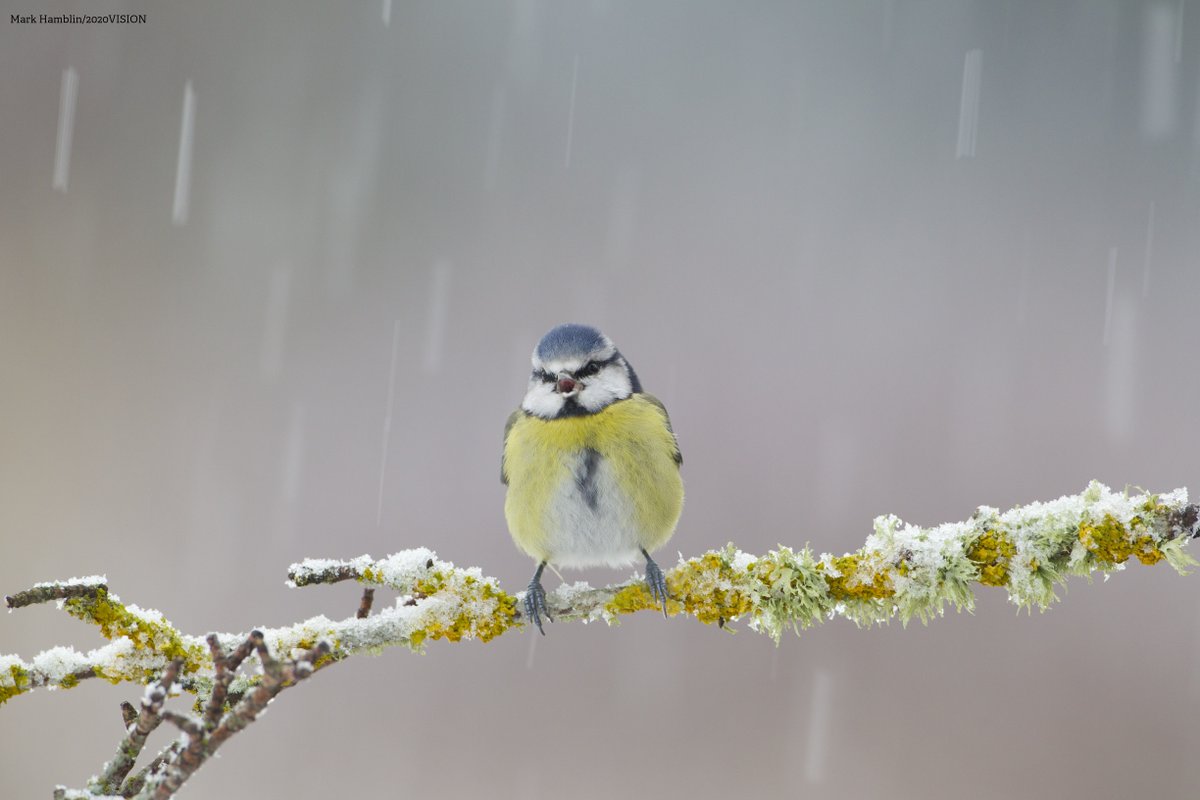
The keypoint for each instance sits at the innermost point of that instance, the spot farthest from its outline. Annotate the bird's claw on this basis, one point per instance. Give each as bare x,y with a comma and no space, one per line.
535,604
657,583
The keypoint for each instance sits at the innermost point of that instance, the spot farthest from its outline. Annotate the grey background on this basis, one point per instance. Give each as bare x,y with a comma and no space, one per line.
763,205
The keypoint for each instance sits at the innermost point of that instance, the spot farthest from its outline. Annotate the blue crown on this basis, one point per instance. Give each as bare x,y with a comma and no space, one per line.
569,340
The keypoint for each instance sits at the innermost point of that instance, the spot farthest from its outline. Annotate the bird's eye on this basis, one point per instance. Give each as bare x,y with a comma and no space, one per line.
591,368
543,376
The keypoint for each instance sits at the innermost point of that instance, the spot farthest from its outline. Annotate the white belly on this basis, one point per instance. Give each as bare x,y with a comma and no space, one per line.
590,520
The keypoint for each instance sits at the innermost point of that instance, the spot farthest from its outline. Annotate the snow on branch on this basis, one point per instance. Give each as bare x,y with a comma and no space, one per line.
901,571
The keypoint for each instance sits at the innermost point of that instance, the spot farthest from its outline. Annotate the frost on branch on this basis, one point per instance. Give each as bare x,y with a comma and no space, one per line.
902,570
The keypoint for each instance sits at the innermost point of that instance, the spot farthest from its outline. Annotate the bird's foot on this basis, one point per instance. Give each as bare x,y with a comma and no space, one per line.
657,582
535,601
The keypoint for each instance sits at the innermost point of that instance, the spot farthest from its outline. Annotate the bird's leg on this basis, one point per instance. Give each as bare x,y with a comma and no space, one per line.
656,581
535,600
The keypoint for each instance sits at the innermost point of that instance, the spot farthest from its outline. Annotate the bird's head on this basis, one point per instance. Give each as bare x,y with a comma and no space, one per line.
577,370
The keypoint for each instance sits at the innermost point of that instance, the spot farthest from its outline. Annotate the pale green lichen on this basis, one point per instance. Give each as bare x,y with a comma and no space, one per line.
792,592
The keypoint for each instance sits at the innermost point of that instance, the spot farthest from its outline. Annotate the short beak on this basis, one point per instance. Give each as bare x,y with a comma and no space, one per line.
566,384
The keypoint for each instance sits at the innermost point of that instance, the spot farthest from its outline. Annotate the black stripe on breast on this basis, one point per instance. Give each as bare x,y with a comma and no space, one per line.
586,476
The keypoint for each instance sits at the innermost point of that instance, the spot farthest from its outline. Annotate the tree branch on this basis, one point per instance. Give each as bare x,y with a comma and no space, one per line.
56,590
113,774
902,570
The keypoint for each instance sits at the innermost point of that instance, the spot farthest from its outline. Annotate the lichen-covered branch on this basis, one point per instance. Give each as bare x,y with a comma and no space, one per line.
901,571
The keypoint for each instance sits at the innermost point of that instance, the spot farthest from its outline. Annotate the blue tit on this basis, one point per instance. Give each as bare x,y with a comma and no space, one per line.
591,464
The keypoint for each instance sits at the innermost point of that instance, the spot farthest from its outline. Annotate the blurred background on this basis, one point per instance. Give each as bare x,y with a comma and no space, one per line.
271,274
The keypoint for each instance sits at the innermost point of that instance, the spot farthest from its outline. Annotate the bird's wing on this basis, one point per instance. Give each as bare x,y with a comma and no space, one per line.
512,420
678,456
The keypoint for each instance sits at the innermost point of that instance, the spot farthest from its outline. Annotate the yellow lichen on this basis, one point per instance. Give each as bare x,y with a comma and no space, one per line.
115,620
847,585
435,583
1147,551
630,599
1112,543
992,553
468,625
709,589
20,679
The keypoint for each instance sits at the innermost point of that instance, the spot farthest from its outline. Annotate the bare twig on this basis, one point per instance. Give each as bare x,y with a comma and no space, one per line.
332,574
187,760
114,772
45,592
134,785
364,606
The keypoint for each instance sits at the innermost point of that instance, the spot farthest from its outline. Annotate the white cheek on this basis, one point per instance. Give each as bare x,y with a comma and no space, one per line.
541,400
608,386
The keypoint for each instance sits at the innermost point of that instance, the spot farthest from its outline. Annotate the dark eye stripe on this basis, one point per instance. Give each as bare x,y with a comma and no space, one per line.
586,371
592,367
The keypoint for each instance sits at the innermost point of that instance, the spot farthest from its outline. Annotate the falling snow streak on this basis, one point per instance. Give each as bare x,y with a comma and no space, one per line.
495,133
387,422
1149,252
571,115
183,167
889,13
1108,302
270,360
1179,32
968,110
439,298
1159,73
818,727
387,13
66,127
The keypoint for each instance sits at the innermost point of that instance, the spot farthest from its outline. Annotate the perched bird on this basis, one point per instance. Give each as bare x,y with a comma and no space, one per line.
591,464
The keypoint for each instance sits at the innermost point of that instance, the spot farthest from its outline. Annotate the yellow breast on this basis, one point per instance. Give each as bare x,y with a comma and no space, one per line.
641,491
